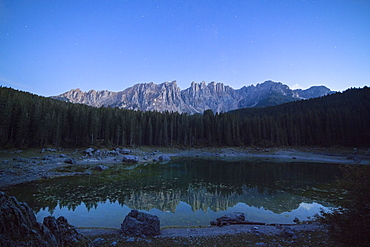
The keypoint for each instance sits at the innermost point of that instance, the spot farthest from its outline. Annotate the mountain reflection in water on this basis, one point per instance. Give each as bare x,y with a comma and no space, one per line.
184,189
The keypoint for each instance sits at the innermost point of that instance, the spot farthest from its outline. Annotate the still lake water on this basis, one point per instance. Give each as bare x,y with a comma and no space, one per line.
186,192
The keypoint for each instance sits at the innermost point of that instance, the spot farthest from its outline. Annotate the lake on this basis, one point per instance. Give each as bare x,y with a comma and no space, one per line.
186,192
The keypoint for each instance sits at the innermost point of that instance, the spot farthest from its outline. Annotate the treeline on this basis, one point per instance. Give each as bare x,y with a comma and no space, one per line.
29,120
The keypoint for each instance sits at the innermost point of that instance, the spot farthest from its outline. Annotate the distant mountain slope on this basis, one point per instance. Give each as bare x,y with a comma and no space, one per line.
195,99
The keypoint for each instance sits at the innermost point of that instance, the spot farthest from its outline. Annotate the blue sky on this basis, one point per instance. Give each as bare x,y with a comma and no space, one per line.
50,47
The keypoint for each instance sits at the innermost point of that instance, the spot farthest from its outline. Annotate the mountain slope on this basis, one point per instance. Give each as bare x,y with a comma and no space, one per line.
195,99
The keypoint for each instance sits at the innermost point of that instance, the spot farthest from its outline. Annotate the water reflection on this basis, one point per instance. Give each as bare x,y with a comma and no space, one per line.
183,190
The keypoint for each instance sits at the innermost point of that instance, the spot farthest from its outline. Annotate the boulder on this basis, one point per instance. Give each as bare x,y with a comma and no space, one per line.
130,159
70,161
99,152
123,151
101,168
18,227
164,157
228,219
139,223
89,151
65,234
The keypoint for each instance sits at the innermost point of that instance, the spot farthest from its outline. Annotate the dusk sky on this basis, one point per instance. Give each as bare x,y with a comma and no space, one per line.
50,47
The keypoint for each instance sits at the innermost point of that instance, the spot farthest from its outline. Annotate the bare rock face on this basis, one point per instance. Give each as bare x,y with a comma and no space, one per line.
195,99
18,227
138,223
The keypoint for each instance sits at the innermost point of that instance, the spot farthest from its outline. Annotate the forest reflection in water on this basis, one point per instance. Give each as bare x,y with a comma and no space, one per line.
187,192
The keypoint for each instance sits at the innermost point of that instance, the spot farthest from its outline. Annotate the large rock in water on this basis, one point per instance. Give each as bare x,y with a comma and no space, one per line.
18,227
228,219
138,223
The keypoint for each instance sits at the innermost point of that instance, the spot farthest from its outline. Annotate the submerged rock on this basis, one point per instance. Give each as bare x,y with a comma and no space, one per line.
138,223
18,227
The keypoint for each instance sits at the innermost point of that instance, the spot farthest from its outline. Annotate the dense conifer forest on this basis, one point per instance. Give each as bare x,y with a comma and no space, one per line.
29,120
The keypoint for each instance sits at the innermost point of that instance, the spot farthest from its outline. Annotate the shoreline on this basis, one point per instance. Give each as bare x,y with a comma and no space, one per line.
208,231
19,167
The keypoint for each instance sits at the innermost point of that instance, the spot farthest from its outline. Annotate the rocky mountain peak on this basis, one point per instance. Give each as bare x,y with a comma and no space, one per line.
197,98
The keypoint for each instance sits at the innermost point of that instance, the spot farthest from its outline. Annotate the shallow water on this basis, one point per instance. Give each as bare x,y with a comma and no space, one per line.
186,192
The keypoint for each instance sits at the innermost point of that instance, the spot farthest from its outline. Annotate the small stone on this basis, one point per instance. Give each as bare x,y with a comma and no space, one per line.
288,232
296,220
98,241
132,239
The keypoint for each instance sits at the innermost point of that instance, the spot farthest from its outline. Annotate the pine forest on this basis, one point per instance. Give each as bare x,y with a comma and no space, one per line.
29,120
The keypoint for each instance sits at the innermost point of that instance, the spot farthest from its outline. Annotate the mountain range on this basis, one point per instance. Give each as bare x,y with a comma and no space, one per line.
197,98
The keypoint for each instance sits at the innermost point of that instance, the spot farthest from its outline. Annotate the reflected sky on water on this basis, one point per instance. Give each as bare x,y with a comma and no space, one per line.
186,192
